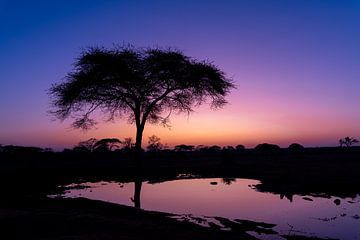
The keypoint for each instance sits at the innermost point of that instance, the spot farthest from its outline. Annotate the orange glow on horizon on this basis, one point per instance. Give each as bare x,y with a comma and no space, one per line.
270,119
207,127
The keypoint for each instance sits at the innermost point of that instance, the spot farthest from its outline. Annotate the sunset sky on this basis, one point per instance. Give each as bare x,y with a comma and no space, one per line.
296,65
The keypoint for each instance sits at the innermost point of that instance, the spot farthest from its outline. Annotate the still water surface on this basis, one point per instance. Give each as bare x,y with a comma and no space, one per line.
236,199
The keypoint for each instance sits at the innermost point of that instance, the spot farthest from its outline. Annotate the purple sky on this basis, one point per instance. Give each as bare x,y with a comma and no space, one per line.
296,65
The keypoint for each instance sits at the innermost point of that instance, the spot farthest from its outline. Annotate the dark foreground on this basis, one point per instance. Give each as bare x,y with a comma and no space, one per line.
27,178
87,219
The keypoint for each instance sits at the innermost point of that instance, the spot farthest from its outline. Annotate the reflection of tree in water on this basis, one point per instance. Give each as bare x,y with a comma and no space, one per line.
137,193
287,195
138,184
228,181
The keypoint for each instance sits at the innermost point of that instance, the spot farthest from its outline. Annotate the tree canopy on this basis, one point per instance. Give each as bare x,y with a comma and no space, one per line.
144,85
348,141
107,144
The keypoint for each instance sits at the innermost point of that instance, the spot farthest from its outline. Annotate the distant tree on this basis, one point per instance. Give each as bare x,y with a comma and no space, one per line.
240,147
296,148
267,148
21,149
215,148
348,141
48,150
67,150
128,143
229,148
201,147
154,144
107,144
85,146
142,84
184,147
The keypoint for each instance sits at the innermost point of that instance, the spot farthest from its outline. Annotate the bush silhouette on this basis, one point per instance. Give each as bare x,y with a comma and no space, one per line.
184,148
240,147
296,148
267,148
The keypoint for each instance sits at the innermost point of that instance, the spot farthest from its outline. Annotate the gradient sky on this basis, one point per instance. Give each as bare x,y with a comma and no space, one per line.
295,64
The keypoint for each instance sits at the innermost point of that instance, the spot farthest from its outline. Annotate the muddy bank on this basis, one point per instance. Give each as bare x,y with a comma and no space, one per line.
88,219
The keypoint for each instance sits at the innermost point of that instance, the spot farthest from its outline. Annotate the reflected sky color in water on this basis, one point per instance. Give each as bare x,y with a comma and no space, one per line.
320,217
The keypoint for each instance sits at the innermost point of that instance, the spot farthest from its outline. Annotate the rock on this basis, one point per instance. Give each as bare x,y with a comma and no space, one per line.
337,201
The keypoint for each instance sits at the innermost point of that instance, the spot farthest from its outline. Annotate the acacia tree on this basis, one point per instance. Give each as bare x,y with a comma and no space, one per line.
86,146
107,144
348,141
144,85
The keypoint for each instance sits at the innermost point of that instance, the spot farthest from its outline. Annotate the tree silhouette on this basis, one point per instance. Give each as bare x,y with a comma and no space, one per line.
267,148
107,144
127,143
154,143
240,147
145,85
184,147
85,146
296,148
348,141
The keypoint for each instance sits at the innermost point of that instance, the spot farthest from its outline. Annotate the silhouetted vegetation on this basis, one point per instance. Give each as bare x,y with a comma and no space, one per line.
127,144
22,149
348,141
184,148
85,146
267,148
103,145
240,147
214,148
154,144
26,178
142,84
94,145
228,149
296,148
107,144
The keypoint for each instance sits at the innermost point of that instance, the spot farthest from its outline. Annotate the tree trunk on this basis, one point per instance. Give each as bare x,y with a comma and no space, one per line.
139,134
138,149
137,193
